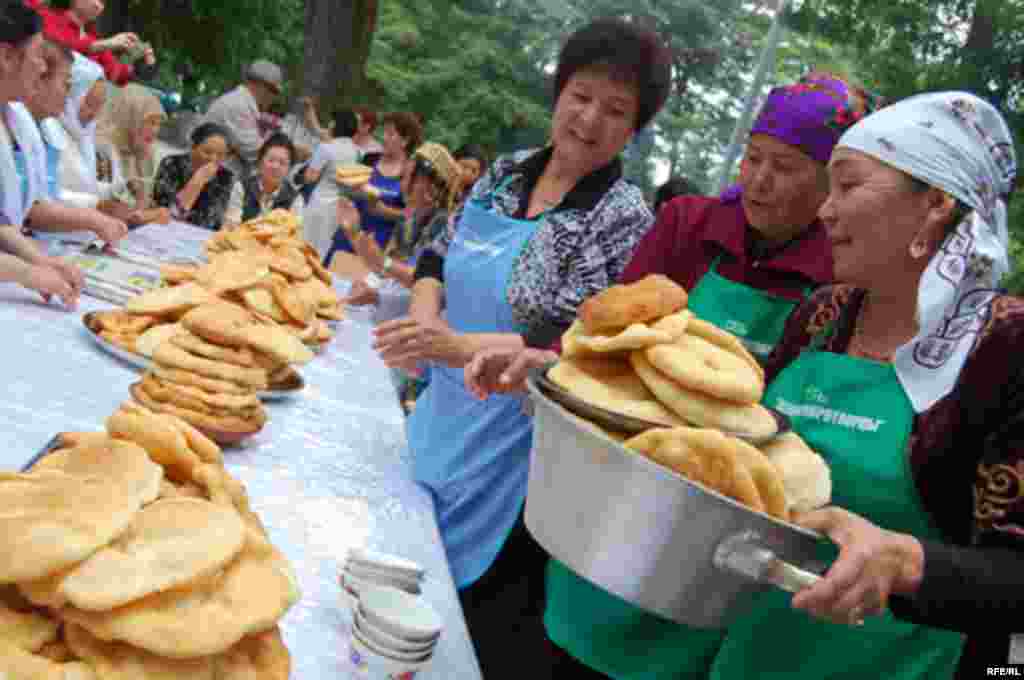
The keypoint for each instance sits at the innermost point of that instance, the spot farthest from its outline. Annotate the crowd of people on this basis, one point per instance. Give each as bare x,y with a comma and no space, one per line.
859,253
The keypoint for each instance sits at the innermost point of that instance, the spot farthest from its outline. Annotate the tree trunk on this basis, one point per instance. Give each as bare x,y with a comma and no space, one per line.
338,38
981,38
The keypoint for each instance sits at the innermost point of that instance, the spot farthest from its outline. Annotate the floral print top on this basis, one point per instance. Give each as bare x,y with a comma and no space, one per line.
580,247
212,204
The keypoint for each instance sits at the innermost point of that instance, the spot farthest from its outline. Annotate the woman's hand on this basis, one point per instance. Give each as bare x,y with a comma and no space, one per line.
122,42
69,272
361,294
366,247
160,215
499,370
149,56
109,229
405,341
203,174
873,564
51,280
347,215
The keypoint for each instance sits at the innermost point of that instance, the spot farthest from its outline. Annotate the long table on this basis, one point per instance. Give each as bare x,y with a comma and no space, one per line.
330,470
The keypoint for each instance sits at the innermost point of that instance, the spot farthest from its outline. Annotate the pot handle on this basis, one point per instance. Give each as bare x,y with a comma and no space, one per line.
791,578
742,554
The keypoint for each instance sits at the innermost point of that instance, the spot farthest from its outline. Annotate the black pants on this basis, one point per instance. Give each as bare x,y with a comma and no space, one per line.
504,611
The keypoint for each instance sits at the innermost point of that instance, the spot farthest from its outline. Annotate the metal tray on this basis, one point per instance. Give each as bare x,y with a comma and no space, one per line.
290,388
649,535
49,448
618,422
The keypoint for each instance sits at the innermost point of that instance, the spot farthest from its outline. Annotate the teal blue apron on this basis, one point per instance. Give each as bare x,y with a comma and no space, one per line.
474,455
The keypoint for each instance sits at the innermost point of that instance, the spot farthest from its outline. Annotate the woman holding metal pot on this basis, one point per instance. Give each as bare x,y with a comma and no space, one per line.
928,508
542,231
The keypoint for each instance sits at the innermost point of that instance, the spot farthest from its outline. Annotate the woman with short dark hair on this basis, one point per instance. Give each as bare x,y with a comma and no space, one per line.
269,188
541,232
195,186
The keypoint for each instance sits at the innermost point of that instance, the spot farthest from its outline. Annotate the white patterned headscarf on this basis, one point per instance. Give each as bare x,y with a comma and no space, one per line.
960,144
84,74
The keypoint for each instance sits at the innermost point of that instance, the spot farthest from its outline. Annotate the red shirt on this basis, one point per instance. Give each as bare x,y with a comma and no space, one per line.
691,231
59,27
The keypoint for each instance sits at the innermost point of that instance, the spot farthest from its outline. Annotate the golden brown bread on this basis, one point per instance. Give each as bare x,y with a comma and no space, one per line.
704,456
613,385
701,410
615,308
698,365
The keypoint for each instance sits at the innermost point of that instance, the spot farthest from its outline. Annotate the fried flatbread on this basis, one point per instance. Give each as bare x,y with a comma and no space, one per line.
701,410
169,301
620,306
52,520
169,544
613,385
152,338
123,462
239,356
248,596
173,356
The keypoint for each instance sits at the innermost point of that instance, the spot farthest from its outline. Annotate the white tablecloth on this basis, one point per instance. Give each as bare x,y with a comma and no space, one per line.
330,470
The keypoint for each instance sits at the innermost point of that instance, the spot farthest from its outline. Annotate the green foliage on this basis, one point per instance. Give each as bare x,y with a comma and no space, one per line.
217,38
909,46
470,71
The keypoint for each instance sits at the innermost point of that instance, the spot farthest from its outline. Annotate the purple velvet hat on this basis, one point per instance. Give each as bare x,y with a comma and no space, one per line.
810,115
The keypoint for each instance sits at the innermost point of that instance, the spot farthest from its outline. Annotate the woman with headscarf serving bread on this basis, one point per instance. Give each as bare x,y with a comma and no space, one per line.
905,379
542,231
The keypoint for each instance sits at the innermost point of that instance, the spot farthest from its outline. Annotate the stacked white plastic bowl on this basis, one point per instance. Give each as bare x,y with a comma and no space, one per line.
394,632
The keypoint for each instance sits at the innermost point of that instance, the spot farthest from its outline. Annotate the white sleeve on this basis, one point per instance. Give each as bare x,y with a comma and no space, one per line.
233,215
323,154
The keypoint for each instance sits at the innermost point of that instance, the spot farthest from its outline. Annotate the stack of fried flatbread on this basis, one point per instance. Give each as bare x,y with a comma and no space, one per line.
210,371
134,554
356,176
636,350
353,174
262,265
269,256
701,374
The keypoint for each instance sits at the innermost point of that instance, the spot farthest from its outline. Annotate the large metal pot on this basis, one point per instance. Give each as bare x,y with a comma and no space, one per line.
649,535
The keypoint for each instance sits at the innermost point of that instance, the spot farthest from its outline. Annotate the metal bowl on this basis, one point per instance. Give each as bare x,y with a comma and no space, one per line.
618,422
648,535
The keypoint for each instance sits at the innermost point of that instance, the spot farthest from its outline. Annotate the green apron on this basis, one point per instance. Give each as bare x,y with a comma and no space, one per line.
856,414
606,632
754,316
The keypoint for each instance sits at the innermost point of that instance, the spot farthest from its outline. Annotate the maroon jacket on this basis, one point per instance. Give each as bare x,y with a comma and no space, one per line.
691,231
